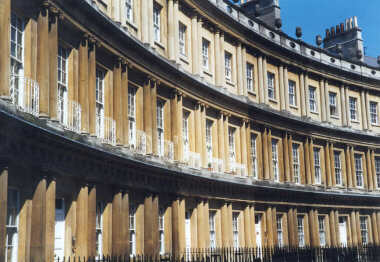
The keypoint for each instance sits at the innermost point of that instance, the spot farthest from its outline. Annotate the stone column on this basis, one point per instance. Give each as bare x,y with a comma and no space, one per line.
348,167
374,176
303,97
307,162
50,221
171,25
153,98
195,45
323,102
269,226
282,88
203,135
145,25
178,227
261,80
368,116
117,105
369,182
347,106
286,88
363,110
353,173
218,59
265,79
125,225
265,155
43,60
333,233
176,29
38,222
329,172
221,150
201,234
124,102
307,94
248,220
91,87
5,18
327,100
354,229
375,229
83,84
3,208
53,63
243,140
287,154
200,40
82,223
222,63
91,225
147,104
239,62
244,73
117,224
198,126
343,108
226,146
148,225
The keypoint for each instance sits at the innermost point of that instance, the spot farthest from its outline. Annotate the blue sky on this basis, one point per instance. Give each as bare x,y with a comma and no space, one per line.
314,16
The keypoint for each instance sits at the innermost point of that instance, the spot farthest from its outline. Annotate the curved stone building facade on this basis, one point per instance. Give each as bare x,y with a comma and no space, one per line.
158,126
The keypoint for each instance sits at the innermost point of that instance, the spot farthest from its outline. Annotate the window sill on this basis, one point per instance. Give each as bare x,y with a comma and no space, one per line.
252,93
293,107
159,45
230,83
273,100
335,117
355,121
314,112
184,59
207,72
375,124
132,24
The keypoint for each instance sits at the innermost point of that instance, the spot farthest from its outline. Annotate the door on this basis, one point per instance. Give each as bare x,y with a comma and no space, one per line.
343,230
188,233
59,248
258,230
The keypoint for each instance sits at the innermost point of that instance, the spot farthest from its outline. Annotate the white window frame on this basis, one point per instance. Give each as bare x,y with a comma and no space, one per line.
373,110
377,169
17,31
338,168
235,228
161,230
301,230
254,155
353,103
250,78
228,65
359,170
276,176
160,127
99,95
279,226
182,38
157,22
132,230
333,104
364,229
296,163
322,231
185,134
271,85
62,85
317,166
231,144
12,226
100,206
313,105
212,223
129,10
209,124
132,115
205,53
292,93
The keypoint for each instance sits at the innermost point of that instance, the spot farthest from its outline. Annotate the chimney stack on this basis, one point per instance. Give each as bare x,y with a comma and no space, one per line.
267,11
348,36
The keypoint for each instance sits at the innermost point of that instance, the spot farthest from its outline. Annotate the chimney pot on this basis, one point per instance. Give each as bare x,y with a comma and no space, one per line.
351,23
332,31
342,27
337,29
327,33
355,22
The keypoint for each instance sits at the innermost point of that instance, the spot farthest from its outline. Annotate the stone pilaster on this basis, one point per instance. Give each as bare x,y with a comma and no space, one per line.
53,62
286,89
50,220
196,63
178,227
323,103
5,18
218,54
239,63
124,102
282,88
91,86
261,80
265,79
147,105
244,73
43,60
153,94
171,25
81,243
117,101
83,84
363,110
91,225
303,95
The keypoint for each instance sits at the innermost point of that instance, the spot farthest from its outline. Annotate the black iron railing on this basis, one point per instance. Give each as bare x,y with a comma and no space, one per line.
267,254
